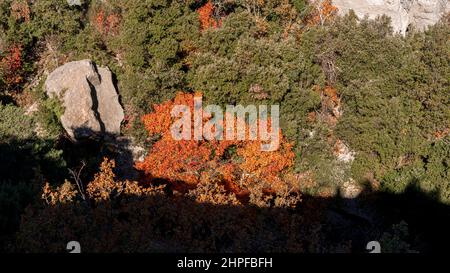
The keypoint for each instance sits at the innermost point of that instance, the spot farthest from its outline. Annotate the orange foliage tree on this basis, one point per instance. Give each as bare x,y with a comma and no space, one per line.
107,23
238,164
323,11
205,14
11,65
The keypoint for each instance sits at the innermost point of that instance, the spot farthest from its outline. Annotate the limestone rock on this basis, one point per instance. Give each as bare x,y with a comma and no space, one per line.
89,98
74,2
350,189
403,13
110,110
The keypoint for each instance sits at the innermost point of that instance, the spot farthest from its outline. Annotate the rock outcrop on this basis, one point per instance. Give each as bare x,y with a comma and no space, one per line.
74,2
89,98
404,13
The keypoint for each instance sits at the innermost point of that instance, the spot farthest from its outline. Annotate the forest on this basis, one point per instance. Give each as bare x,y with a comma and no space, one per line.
364,150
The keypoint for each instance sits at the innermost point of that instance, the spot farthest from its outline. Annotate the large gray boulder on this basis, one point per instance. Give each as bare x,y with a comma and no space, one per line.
89,98
404,13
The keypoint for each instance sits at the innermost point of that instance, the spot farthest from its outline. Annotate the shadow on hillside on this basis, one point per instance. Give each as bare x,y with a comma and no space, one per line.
159,223
25,164
93,149
177,223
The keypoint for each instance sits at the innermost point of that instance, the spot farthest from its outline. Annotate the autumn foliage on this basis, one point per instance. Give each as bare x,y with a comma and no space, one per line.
206,18
331,106
126,217
323,11
107,23
11,65
20,10
238,165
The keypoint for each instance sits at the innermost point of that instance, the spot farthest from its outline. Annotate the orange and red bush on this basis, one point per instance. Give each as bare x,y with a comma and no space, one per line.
11,65
184,163
107,23
206,17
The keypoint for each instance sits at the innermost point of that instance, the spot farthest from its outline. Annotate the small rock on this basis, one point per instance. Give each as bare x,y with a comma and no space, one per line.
343,152
350,189
32,109
74,2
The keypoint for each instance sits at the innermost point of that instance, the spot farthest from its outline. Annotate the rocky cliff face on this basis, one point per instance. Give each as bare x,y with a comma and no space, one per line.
404,13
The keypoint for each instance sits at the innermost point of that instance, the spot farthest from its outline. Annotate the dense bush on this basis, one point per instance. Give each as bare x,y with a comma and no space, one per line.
395,94
155,36
25,161
23,25
240,165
